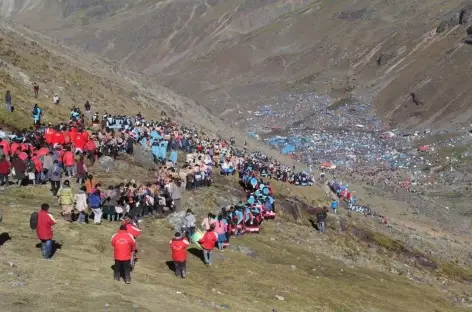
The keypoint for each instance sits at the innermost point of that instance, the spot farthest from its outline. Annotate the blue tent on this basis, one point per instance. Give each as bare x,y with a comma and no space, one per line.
287,149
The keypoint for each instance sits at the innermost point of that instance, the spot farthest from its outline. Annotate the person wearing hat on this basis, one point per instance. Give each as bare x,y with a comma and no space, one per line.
179,245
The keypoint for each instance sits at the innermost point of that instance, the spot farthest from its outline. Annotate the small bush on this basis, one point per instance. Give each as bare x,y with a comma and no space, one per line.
456,271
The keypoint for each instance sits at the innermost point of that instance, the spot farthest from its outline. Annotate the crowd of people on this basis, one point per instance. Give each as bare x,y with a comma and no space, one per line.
64,154
273,169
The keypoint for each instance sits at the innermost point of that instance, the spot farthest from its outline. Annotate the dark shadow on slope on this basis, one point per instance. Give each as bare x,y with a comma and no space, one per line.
4,237
197,253
171,265
55,247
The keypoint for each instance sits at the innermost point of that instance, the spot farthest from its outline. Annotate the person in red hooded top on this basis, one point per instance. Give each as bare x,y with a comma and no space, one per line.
85,135
68,159
179,245
22,155
79,142
14,147
38,166
133,230
124,245
58,138
208,242
4,170
130,227
49,134
91,148
72,134
44,232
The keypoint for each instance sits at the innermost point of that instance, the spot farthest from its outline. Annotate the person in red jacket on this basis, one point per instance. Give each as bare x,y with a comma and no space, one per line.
179,245
68,159
79,142
58,138
130,227
208,242
44,230
49,134
124,245
4,170
133,230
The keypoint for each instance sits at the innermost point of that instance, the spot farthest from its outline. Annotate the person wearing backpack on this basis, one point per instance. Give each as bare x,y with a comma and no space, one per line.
45,222
95,203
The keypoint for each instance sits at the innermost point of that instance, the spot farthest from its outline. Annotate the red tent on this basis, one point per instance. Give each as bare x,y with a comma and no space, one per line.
327,165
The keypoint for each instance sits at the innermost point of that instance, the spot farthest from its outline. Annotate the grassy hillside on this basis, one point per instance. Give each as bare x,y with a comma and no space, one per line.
286,260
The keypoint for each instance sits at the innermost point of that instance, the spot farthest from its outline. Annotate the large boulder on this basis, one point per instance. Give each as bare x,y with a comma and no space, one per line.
176,220
144,158
461,16
448,23
107,163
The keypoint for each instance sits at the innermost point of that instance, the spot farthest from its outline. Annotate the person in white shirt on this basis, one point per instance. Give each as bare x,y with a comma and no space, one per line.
56,99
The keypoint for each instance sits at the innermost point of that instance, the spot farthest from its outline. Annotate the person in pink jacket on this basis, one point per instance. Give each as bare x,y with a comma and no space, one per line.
221,228
207,221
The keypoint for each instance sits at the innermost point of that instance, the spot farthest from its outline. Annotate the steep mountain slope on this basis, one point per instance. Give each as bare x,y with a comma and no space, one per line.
233,54
27,57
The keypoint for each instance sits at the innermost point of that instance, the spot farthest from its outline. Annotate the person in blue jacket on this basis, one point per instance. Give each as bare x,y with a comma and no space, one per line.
251,199
334,206
37,113
173,157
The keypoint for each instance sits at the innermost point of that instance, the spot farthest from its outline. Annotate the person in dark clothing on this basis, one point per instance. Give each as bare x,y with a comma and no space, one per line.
36,90
55,178
129,146
320,219
8,105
